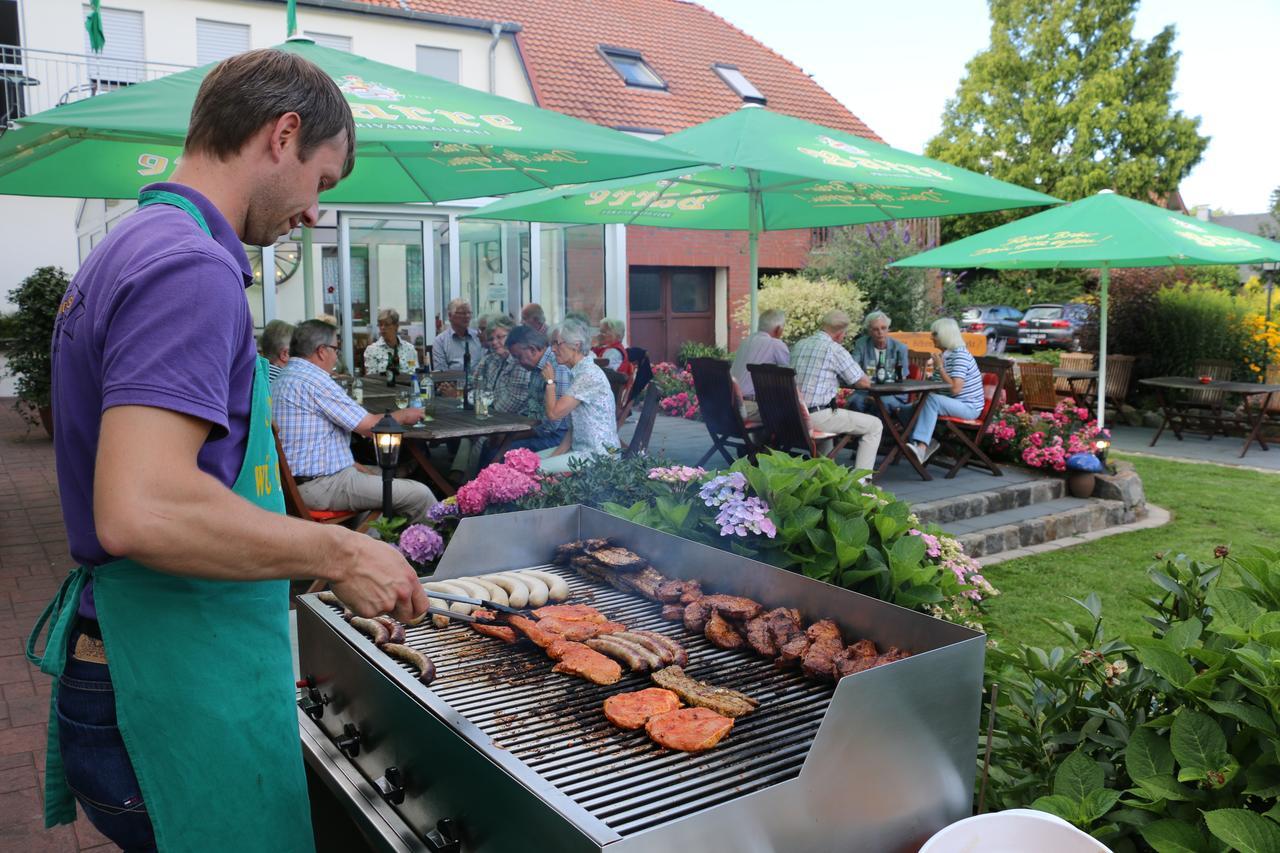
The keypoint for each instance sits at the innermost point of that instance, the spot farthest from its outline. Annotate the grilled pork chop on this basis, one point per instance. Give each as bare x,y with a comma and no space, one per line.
722,700
688,729
631,711
769,632
571,613
577,659
849,666
577,631
673,612
819,658
723,634
501,632
733,607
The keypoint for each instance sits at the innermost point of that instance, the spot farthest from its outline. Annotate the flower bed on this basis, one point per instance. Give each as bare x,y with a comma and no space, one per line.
1043,439
675,387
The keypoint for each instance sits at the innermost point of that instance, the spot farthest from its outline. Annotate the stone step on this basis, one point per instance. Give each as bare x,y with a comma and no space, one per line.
1034,524
973,505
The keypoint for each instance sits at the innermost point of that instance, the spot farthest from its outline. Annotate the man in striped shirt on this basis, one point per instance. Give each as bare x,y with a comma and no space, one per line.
315,421
822,363
966,400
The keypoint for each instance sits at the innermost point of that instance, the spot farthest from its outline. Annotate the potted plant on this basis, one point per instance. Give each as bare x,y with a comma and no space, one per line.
37,300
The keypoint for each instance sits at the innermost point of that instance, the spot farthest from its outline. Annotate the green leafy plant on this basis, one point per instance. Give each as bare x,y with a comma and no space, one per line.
690,350
804,300
38,298
596,481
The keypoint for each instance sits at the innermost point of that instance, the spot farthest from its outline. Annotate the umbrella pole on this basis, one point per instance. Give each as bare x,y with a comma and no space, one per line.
308,274
1103,282
753,245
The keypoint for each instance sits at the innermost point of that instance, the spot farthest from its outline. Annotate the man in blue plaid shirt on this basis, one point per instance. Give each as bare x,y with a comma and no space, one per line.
315,420
822,364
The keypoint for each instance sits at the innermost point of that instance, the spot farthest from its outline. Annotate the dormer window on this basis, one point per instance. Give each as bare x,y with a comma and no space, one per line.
632,68
738,82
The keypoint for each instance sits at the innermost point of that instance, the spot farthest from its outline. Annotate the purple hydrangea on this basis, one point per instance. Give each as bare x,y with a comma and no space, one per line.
420,543
721,490
447,508
746,516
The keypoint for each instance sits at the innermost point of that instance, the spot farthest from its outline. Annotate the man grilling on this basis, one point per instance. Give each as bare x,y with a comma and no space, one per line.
173,718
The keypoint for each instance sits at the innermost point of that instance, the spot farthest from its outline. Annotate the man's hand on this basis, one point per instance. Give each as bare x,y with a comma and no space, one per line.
376,579
408,417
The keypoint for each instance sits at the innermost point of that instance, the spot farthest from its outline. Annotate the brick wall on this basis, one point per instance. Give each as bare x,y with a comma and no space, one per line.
677,248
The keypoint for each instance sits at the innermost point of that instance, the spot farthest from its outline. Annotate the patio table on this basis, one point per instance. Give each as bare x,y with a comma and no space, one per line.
1175,410
1087,378
899,433
448,422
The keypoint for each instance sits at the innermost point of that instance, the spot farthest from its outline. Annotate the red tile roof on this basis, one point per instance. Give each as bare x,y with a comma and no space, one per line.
680,40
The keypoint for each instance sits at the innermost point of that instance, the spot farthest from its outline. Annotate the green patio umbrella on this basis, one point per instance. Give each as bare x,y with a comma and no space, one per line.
1102,232
773,172
418,139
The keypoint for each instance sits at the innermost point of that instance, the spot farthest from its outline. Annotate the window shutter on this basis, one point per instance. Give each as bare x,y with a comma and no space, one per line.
123,31
439,62
216,40
330,41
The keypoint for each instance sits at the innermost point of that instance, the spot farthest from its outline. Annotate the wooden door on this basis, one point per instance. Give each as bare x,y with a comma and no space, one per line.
670,305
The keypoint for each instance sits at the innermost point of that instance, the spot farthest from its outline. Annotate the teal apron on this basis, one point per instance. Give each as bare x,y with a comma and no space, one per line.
203,678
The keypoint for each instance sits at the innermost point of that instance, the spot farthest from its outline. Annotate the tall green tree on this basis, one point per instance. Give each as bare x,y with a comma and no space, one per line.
1065,100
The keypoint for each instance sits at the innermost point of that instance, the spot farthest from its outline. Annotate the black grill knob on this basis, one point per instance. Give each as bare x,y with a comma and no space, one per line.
312,703
391,786
349,742
444,838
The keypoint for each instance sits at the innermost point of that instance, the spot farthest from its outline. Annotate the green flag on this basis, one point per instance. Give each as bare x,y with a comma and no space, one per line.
93,24
292,16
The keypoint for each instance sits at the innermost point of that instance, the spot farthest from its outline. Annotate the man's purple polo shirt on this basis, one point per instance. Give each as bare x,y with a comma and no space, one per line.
156,316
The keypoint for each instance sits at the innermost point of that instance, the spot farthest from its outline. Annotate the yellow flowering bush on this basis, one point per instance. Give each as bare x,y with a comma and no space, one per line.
805,301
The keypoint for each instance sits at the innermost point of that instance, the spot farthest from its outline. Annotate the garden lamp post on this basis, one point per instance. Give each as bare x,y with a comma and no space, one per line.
386,443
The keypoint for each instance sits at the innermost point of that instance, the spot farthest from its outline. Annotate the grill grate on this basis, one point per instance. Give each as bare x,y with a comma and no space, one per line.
554,723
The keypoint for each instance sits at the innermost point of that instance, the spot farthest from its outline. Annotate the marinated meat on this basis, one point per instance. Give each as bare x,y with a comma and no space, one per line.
670,590
784,625
760,638
819,658
692,592
595,544
860,664
793,650
504,633
722,700
733,606
631,653
577,659
688,729
556,648
571,613
863,649
696,614
722,634
531,629
576,631
618,559
632,710
668,649
646,582
851,659
673,612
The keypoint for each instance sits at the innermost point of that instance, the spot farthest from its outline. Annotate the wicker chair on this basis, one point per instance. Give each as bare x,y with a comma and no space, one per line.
1073,361
1036,379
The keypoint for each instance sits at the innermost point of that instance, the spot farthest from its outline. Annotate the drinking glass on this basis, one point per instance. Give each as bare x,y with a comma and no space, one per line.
402,399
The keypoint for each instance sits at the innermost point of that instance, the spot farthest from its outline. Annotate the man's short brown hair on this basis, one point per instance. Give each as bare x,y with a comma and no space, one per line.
246,91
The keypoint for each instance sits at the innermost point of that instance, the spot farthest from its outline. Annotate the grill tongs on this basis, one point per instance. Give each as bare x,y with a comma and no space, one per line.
502,609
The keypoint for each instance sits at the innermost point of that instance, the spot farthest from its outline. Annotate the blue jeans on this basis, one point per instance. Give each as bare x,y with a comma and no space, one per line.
96,765
940,404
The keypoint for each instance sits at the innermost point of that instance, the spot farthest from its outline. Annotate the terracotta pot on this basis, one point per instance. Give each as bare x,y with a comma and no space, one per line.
46,418
1080,484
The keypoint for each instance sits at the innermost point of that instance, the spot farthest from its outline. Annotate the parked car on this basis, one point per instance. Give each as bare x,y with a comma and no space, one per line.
997,322
1054,325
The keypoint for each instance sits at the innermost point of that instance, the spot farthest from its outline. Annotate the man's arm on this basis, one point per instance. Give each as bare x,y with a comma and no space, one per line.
848,371
153,504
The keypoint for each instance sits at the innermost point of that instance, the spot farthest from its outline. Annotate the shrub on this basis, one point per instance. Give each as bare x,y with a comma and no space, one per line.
1164,742
690,350
804,300
860,254
1186,324
38,298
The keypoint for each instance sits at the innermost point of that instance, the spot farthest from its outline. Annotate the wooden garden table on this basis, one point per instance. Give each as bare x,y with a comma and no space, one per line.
900,434
1176,415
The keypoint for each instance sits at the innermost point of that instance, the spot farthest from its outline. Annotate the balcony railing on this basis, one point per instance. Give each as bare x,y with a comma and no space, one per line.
32,81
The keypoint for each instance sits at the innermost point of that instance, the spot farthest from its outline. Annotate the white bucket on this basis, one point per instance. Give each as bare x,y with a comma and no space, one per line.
1013,831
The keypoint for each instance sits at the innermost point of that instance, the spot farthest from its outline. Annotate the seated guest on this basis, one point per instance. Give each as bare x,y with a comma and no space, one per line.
495,358
389,352
533,316
315,420
274,346
609,346
457,345
764,346
822,364
588,402
493,375
532,351
966,400
875,350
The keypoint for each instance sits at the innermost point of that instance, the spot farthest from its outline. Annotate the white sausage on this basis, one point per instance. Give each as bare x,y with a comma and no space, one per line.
496,593
538,590
473,589
455,606
555,584
517,590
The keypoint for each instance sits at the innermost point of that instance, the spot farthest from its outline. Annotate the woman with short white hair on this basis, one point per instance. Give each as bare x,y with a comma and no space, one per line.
609,345
588,402
966,399
389,352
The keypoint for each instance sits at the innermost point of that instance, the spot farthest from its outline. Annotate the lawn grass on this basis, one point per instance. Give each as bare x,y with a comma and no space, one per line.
1211,505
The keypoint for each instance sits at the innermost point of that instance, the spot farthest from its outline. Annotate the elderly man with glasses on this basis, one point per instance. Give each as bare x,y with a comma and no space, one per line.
881,358
315,420
457,347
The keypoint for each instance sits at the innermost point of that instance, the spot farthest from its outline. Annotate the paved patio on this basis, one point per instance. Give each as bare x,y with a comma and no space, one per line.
1197,448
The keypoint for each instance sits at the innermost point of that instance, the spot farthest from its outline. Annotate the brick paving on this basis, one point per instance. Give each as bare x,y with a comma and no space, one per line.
33,562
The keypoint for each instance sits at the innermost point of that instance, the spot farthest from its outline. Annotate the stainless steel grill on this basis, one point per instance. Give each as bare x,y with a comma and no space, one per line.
523,759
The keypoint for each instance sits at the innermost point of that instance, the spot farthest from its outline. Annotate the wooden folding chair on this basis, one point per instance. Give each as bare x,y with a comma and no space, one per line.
639,443
785,419
720,412
1119,374
1072,361
1036,379
964,435
1205,405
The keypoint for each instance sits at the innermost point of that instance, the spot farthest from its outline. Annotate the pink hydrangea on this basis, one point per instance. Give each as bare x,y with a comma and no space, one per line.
471,498
523,460
503,483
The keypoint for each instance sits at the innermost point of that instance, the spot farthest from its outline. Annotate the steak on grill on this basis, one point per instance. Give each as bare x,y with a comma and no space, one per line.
722,634
769,632
673,612
688,729
696,614
631,711
722,700
500,632
791,652
618,559
819,658
571,613
733,607
859,664
577,659
577,631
